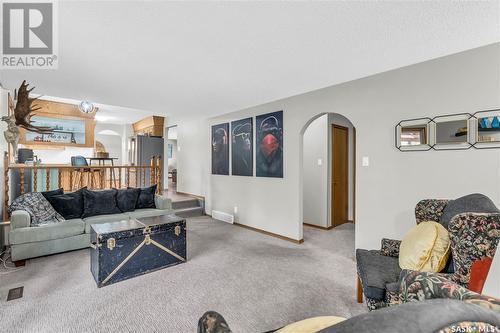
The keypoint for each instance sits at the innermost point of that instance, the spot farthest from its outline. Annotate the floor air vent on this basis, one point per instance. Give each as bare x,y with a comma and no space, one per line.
221,216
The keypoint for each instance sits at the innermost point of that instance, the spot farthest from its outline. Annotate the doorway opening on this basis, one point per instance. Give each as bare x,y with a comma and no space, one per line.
171,154
328,171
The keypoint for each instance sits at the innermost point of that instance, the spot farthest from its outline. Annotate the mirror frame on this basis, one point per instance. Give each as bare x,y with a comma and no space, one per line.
475,126
413,123
452,145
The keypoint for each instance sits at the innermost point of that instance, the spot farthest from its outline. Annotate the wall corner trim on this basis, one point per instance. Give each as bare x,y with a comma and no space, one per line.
288,239
318,226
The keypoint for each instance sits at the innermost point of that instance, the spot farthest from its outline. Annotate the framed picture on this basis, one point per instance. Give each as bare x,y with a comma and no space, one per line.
269,146
220,149
242,147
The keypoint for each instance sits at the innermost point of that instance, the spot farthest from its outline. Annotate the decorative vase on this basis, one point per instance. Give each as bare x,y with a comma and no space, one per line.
484,123
495,123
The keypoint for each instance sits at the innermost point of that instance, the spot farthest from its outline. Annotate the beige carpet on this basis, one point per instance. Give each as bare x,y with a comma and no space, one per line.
256,282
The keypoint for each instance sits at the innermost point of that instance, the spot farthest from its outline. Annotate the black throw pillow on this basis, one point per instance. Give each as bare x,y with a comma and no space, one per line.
146,197
99,203
48,194
69,205
126,199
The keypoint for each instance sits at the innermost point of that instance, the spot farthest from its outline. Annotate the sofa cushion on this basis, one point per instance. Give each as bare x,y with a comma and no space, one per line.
376,271
126,199
48,194
99,219
472,203
47,232
148,212
99,203
426,247
69,205
40,210
146,198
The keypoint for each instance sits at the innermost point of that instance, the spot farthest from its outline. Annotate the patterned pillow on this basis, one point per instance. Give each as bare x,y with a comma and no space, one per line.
40,210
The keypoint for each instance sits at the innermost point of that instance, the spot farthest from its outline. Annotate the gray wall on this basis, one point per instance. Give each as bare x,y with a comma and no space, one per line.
317,144
316,176
387,190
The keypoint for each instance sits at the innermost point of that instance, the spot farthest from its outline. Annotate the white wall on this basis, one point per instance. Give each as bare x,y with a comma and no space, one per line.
316,176
112,142
193,153
387,190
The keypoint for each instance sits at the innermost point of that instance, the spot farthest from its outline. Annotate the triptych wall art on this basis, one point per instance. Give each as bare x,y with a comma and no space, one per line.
242,145
220,149
268,146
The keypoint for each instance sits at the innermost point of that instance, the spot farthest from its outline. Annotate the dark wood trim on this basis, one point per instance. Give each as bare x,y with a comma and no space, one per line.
332,197
318,226
359,289
300,241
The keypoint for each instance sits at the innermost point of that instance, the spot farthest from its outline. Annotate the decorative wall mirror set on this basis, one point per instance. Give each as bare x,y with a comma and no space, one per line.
480,130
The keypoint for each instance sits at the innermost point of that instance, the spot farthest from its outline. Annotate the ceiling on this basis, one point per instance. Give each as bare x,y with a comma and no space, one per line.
209,58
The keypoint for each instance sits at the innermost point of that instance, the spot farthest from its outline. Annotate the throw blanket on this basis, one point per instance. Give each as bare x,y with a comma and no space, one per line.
40,210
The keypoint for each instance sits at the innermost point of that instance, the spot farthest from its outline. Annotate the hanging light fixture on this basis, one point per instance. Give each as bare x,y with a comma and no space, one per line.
86,107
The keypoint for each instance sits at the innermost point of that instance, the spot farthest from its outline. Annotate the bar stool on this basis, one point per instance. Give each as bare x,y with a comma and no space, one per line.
80,161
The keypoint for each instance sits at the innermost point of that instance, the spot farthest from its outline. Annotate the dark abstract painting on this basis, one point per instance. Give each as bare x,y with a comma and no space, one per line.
220,149
242,147
269,158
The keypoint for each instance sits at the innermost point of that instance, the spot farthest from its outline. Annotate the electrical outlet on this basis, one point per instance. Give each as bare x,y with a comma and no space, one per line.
320,162
235,209
365,161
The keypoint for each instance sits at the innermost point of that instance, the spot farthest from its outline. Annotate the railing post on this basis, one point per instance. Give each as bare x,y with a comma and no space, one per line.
160,175
152,176
59,178
21,174
6,186
119,177
47,179
35,178
128,177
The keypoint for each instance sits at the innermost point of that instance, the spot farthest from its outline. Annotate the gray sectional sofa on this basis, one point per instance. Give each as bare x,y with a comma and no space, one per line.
29,242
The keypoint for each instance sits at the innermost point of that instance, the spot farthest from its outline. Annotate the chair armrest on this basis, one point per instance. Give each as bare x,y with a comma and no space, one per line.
419,286
162,202
19,219
390,247
430,210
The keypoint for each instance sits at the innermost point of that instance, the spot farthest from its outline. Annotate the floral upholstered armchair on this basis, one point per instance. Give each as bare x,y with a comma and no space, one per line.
473,223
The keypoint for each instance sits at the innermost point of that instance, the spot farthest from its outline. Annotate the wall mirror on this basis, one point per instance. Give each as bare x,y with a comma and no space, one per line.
486,126
413,134
452,132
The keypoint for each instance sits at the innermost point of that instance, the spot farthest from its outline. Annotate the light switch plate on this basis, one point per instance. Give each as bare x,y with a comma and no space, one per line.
320,162
365,161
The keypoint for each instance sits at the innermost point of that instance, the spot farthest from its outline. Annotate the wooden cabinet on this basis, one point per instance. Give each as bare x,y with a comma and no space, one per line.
72,127
152,126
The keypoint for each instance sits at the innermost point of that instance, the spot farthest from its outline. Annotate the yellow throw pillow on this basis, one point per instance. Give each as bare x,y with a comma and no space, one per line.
425,248
311,325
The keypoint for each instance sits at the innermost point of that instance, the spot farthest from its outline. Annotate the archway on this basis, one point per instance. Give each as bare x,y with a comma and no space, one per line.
327,173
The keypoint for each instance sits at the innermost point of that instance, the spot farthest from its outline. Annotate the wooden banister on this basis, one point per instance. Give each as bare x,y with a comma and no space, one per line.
72,178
